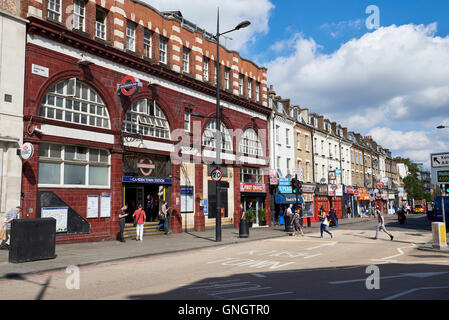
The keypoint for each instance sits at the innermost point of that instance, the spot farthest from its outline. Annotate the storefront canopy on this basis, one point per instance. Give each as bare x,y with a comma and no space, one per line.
287,198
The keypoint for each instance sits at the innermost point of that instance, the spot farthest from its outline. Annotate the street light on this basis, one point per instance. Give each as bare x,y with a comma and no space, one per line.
217,117
241,25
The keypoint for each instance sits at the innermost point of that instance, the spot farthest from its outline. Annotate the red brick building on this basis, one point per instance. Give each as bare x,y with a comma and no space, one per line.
98,147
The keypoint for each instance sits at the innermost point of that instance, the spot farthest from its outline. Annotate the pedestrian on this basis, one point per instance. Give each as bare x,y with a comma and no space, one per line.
324,223
381,225
150,203
349,211
289,210
242,212
333,217
121,218
10,216
163,217
139,218
295,223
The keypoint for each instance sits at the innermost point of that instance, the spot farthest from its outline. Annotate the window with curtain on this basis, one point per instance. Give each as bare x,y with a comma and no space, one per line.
146,118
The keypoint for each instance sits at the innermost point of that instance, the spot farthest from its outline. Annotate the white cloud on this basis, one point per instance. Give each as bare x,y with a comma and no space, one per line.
394,77
232,12
342,28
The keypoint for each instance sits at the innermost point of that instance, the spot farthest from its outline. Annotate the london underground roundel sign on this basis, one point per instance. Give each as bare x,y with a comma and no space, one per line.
27,151
129,86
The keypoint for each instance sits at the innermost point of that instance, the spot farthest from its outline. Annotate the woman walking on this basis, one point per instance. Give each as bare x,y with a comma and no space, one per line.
139,218
324,223
295,222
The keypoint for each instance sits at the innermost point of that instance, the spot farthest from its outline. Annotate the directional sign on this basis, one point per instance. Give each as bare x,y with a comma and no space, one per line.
216,175
439,160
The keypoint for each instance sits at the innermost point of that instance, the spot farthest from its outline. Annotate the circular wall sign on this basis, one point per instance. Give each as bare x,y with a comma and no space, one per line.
27,151
216,175
145,166
129,86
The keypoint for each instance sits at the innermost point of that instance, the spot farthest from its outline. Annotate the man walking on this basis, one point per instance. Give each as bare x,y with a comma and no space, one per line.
10,216
122,215
381,225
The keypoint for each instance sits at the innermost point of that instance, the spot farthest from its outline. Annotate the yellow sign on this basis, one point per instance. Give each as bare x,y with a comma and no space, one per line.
443,233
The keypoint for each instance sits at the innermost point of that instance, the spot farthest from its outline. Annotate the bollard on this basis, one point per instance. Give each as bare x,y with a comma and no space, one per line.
439,236
243,229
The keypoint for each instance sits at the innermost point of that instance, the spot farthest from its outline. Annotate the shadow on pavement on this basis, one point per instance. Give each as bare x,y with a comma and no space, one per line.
357,282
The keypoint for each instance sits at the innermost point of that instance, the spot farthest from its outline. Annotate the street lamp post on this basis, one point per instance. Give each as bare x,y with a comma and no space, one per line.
241,25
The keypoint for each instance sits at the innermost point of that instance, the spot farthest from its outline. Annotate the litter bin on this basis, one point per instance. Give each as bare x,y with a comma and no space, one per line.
288,221
243,229
32,239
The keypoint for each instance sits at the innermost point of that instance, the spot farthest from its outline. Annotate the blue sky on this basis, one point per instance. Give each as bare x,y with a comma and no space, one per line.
391,82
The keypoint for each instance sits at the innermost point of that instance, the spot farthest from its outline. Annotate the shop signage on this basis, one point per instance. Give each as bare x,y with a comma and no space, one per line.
298,172
335,190
27,151
287,198
307,197
145,166
349,190
321,189
308,188
252,187
146,180
284,181
129,86
391,196
380,184
285,189
273,177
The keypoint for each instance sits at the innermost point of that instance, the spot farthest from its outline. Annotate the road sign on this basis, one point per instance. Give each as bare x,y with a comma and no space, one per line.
443,176
216,175
438,160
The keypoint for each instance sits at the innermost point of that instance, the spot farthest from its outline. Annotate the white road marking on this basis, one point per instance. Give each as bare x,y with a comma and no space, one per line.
315,255
217,249
323,245
258,275
396,255
262,295
413,290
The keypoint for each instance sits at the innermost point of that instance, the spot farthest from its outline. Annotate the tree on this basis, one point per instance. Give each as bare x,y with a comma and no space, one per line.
412,184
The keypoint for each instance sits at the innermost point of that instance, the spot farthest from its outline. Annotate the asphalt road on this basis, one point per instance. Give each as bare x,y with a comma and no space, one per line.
350,266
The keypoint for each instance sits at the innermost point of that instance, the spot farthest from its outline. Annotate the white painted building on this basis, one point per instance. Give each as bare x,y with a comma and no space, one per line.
282,157
12,70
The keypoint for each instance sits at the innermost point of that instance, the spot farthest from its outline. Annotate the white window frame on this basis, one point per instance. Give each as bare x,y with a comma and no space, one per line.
87,163
250,143
100,26
79,15
241,92
250,88
130,36
187,117
163,42
54,9
306,142
287,137
298,140
227,78
209,136
206,62
257,91
278,138
185,60
148,43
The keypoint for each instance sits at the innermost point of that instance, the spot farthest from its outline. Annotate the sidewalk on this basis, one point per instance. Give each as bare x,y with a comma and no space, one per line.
82,254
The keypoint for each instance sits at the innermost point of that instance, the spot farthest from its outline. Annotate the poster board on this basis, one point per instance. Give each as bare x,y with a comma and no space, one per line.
307,210
187,199
92,207
105,206
59,214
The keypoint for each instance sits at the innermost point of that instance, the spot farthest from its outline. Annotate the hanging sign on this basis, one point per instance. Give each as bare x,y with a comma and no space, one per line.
129,86
27,151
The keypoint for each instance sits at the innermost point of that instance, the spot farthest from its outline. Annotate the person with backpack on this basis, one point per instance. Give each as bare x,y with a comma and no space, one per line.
163,217
139,221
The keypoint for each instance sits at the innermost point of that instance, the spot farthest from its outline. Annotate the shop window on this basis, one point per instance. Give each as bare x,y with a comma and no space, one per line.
146,118
250,143
73,101
209,136
65,166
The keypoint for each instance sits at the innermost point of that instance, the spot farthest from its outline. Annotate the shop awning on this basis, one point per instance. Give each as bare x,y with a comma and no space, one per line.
287,198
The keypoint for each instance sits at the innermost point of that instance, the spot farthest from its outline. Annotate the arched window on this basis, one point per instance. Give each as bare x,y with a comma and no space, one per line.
74,101
250,143
146,118
209,136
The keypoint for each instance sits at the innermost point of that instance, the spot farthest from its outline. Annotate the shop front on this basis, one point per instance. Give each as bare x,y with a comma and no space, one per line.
335,193
321,200
146,181
363,201
349,201
308,192
253,192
